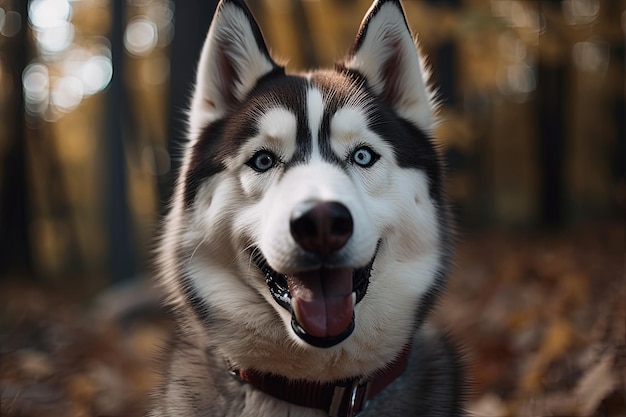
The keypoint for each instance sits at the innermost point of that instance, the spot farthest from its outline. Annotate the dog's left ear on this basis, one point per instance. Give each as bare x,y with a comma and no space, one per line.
385,54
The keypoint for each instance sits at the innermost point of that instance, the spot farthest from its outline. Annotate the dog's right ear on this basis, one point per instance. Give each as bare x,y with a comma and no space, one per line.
234,58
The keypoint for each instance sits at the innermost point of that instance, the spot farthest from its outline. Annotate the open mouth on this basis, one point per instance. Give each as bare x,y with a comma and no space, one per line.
321,302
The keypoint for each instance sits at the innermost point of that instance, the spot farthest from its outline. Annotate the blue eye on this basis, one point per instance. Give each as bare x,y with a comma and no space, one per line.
364,156
262,161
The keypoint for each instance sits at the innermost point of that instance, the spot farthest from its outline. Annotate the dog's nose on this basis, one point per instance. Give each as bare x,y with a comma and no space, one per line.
321,227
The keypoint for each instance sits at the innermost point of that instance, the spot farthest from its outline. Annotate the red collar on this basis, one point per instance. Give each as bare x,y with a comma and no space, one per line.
339,399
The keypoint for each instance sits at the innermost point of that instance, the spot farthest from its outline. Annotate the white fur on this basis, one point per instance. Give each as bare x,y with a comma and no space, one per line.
315,111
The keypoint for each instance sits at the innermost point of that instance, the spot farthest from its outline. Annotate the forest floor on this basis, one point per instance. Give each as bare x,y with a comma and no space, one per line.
541,316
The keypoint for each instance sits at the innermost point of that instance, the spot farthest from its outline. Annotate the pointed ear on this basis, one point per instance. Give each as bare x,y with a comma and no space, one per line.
234,58
385,54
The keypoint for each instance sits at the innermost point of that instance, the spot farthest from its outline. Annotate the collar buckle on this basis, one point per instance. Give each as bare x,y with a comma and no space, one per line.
350,399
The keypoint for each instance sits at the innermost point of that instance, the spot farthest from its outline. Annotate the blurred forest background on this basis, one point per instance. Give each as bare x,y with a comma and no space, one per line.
93,96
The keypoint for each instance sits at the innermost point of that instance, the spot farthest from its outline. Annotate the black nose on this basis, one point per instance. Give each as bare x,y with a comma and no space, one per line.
321,227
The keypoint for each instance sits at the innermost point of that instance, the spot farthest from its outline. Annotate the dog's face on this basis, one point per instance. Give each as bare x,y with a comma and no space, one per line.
308,213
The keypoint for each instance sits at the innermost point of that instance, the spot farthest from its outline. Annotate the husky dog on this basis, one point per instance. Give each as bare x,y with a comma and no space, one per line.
309,234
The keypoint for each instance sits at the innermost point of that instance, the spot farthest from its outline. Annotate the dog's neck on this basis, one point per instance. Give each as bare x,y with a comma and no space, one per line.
341,398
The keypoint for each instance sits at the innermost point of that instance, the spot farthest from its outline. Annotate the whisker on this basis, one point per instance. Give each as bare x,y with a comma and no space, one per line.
196,249
244,252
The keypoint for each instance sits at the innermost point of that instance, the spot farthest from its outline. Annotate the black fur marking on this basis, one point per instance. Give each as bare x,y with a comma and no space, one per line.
412,147
459,391
196,302
442,372
204,163
303,134
428,301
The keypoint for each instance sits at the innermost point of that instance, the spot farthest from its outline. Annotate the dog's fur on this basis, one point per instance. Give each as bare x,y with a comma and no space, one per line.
261,143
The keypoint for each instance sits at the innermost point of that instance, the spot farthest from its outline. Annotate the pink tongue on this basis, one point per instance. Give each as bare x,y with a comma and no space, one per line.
322,300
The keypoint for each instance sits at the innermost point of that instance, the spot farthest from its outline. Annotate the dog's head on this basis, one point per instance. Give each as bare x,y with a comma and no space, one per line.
309,213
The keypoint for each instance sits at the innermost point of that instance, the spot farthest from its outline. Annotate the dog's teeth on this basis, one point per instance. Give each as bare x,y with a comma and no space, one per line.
353,299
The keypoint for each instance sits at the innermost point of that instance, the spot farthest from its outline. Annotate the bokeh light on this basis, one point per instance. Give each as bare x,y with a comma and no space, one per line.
46,14
516,81
67,93
141,36
96,74
11,23
163,16
592,56
55,39
51,24
36,82
580,12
